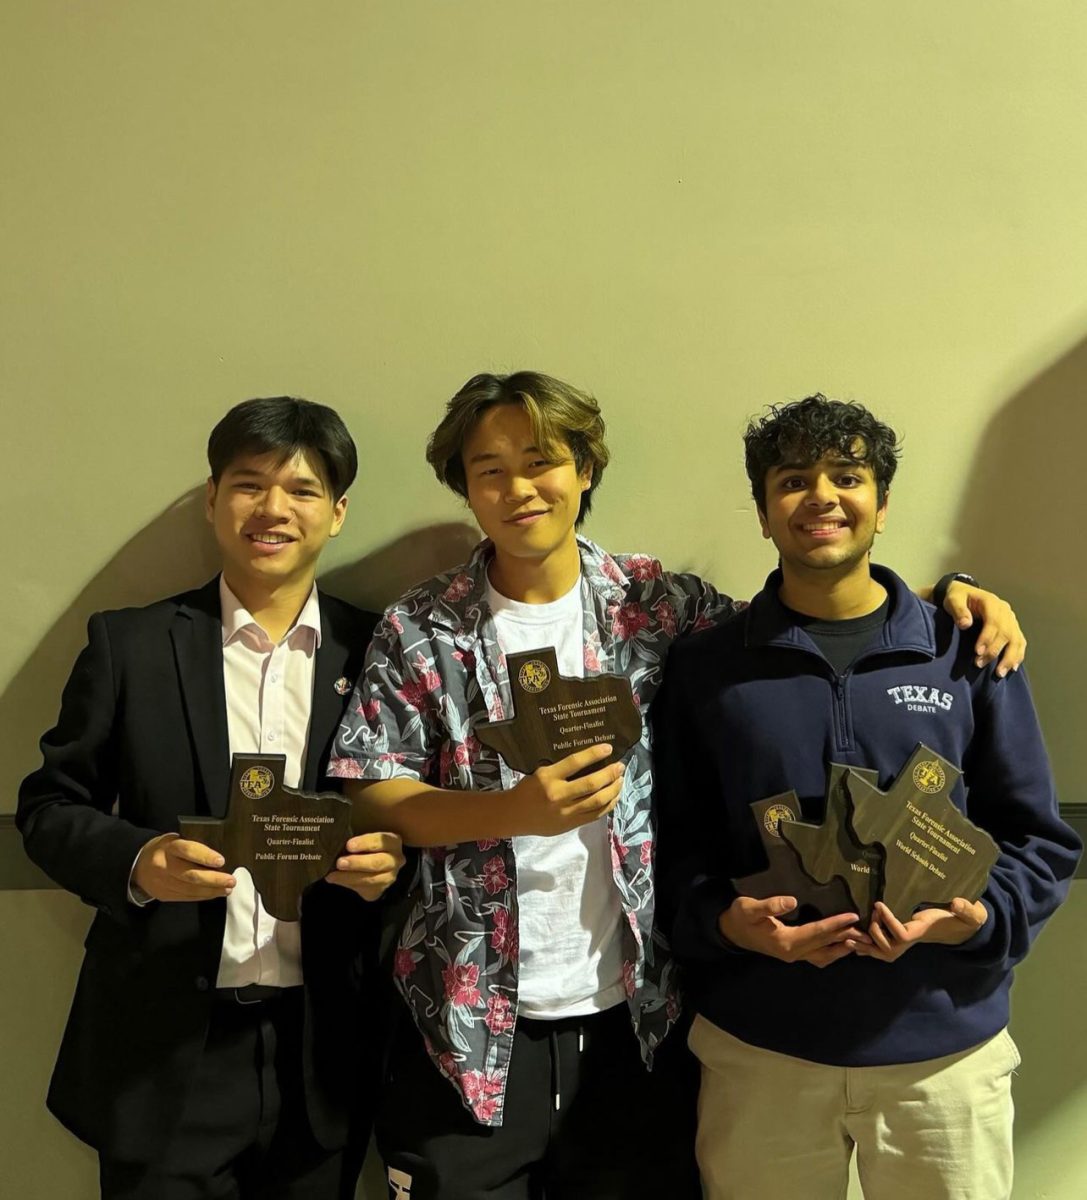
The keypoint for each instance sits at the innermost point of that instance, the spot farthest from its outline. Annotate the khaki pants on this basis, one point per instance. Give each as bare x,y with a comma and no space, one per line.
773,1127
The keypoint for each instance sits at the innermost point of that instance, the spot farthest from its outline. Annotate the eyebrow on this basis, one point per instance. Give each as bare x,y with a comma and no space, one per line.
834,462
250,473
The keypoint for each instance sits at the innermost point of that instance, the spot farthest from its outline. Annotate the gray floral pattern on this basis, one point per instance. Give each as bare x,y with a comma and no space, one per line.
433,673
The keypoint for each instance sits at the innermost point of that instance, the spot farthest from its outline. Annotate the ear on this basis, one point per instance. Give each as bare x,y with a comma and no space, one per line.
210,489
339,512
762,522
587,477
881,515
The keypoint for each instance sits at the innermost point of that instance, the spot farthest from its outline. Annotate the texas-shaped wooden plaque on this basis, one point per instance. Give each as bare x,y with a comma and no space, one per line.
554,716
784,875
285,838
829,851
932,853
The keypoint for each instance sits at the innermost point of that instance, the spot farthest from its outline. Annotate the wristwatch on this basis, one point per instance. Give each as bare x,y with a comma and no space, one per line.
939,592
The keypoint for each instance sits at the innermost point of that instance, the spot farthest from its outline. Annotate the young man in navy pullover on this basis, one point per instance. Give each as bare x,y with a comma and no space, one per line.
820,1036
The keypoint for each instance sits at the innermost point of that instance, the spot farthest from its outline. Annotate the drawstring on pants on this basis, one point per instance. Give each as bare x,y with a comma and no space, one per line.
556,1070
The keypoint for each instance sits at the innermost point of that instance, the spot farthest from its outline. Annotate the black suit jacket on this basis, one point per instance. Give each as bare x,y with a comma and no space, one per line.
141,740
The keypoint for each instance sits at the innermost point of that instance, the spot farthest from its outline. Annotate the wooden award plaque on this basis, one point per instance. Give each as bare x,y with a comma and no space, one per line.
286,839
829,851
784,875
555,716
932,853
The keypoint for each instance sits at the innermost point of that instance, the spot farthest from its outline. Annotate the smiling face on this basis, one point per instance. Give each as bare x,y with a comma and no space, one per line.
271,520
525,502
823,517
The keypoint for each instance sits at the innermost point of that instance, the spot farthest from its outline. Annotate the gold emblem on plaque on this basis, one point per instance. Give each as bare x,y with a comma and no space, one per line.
929,777
534,676
256,783
774,814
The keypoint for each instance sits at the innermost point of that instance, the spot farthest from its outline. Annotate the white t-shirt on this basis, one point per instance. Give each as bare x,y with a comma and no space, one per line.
571,957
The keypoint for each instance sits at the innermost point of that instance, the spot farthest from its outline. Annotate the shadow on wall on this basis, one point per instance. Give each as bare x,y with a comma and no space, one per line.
171,554
1021,532
376,580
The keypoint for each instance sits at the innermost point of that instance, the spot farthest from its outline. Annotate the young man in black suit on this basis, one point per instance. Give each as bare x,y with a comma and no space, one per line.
212,1050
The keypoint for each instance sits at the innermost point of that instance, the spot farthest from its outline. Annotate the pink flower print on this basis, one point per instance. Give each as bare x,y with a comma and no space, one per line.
395,622
467,751
646,854
485,1107
642,567
619,853
591,659
416,692
446,1063
461,982
369,709
702,622
666,618
495,878
628,620
458,588
505,938
345,768
403,963
628,978
499,1018
487,844
610,568
671,1006
391,756
479,1086
466,659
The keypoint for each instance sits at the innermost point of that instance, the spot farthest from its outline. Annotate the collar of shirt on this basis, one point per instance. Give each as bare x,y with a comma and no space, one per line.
238,621
463,603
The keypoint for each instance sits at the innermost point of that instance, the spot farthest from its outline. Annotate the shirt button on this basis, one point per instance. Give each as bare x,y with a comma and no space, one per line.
274,678
202,984
272,736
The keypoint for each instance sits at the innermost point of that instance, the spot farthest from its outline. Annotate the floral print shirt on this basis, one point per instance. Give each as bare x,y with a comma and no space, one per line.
434,672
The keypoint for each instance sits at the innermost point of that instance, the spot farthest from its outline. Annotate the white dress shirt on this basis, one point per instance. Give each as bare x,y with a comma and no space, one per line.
269,694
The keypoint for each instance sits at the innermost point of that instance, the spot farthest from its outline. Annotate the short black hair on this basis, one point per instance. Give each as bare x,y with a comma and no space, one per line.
286,426
803,431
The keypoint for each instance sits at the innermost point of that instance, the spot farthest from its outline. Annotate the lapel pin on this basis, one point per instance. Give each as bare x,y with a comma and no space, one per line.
342,685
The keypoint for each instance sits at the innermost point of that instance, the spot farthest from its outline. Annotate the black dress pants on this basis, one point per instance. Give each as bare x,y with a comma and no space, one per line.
243,1134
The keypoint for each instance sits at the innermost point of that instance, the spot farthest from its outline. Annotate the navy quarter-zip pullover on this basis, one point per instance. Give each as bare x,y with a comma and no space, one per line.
752,708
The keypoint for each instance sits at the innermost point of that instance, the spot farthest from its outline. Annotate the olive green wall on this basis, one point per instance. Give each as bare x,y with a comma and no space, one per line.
691,209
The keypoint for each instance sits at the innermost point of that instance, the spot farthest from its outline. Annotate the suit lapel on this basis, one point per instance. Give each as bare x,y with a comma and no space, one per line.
197,635
328,705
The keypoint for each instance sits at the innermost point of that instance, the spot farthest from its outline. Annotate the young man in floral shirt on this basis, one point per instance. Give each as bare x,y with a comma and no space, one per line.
530,962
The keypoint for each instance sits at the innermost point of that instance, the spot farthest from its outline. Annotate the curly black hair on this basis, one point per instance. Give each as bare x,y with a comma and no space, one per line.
803,431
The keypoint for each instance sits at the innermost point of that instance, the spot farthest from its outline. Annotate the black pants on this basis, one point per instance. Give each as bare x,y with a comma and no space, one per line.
617,1131
244,1134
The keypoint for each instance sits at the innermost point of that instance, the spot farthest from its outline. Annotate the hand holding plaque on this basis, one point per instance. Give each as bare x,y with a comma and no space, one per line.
555,716
286,839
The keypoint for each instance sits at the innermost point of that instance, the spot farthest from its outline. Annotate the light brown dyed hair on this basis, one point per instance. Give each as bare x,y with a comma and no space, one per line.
561,416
